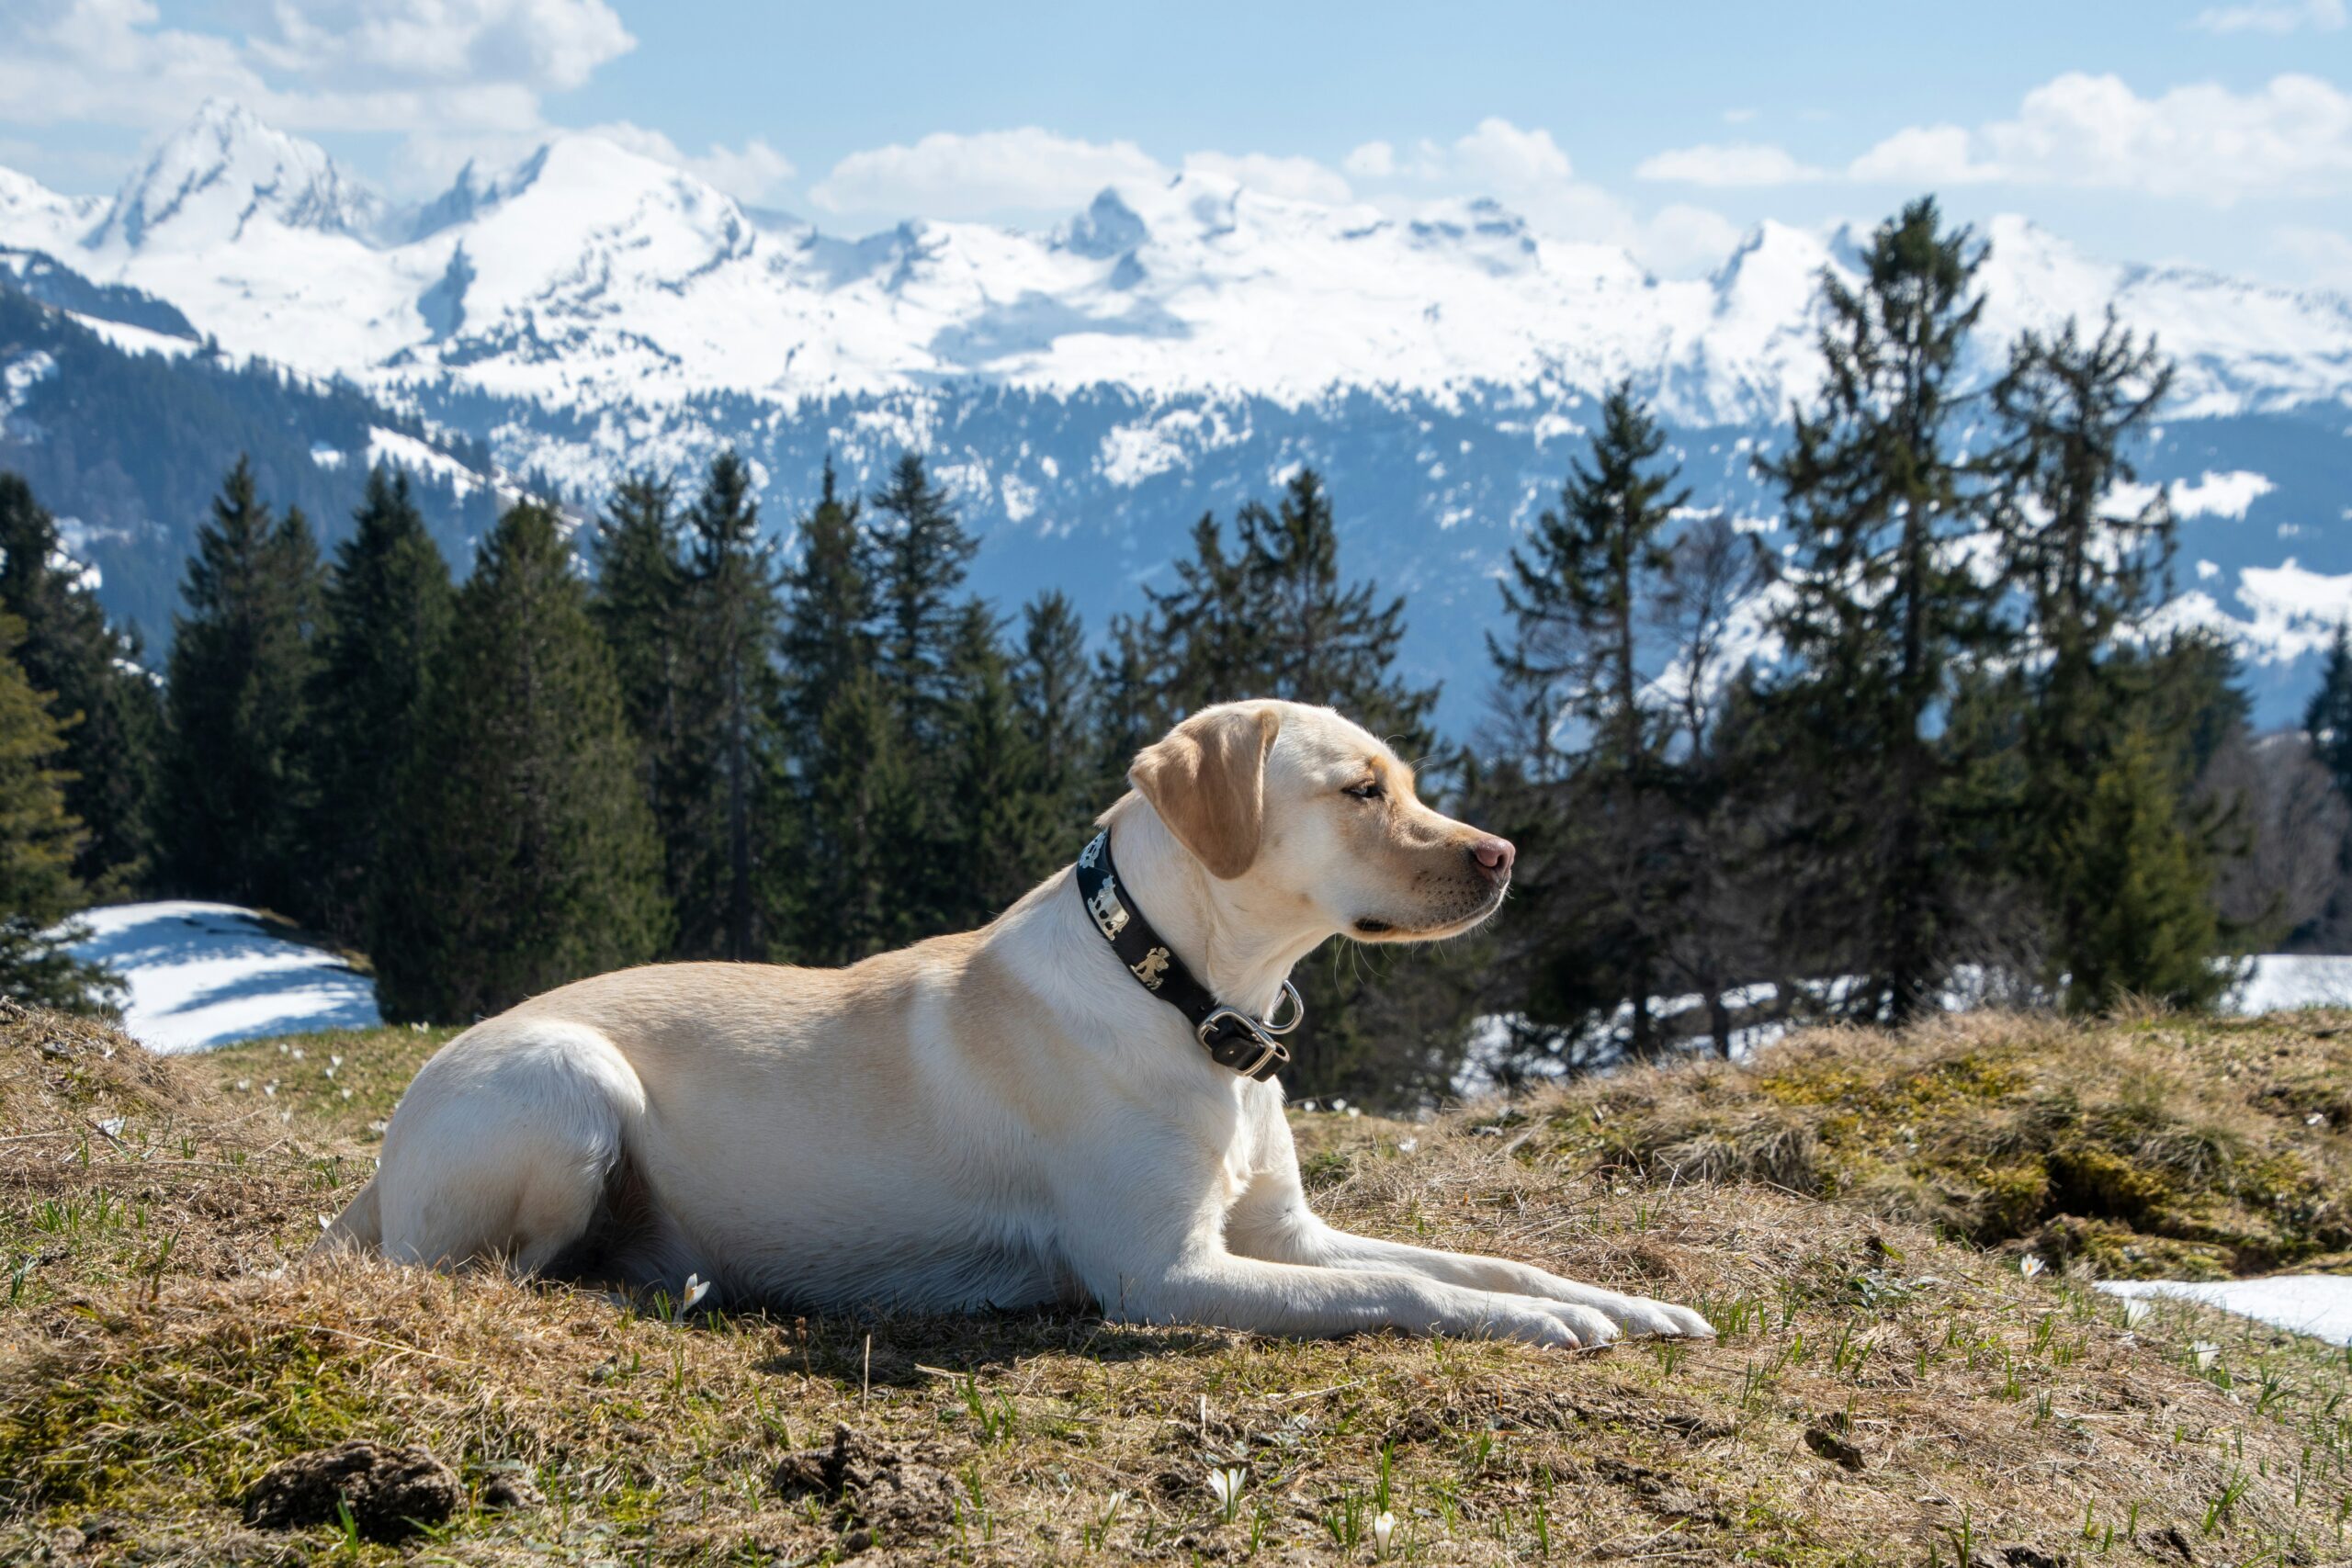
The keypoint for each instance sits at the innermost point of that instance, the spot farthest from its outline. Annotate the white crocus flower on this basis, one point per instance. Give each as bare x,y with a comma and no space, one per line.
2136,1310
1227,1481
2207,1353
697,1288
2030,1266
1382,1528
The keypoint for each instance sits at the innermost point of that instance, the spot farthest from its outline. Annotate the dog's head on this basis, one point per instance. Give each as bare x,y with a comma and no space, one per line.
1296,807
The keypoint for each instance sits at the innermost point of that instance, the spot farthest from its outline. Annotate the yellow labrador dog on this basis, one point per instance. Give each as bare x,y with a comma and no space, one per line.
1073,1104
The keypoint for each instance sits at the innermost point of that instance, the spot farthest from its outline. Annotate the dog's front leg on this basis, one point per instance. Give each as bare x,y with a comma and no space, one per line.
1220,1289
1273,1222
1149,1259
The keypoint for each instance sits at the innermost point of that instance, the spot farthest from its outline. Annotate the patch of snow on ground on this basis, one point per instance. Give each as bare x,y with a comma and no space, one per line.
138,340
204,975
2316,1305
2281,981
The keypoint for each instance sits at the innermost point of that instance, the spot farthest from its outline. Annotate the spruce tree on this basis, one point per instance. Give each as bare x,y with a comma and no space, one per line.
1319,640
1884,613
236,792
39,841
2084,575
843,762
865,806
523,854
1000,840
922,553
2145,925
388,601
1593,578
109,709
2328,718
638,606
720,838
1054,685
1133,702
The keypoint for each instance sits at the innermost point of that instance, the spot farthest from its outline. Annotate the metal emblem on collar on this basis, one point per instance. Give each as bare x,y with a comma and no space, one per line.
1110,915
1151,968
1093,851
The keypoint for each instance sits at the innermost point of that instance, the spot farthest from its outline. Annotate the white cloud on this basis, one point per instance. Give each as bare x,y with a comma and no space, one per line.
1372,161
2291,137
949,175
1736,164
1301,179
540,44
754,171
423,66
1738,117
2273,16
1502,156
1922,156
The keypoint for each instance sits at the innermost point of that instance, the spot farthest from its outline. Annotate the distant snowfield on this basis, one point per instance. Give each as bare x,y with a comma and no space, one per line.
2316,1305
199,976
2280,982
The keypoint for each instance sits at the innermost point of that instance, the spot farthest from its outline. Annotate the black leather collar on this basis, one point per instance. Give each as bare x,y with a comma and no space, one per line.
1232,1038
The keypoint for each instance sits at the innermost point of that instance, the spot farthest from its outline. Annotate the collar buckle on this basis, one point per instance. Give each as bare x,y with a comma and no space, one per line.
1225,1025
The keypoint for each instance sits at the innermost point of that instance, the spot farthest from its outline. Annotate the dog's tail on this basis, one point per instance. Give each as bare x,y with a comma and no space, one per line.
357,1229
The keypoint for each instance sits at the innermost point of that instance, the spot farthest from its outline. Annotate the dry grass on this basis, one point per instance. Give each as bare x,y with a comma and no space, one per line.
2155,1147
152,1364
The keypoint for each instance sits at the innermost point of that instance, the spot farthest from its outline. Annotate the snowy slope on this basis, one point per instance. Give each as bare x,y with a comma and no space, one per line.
1087,390
591,274
204,975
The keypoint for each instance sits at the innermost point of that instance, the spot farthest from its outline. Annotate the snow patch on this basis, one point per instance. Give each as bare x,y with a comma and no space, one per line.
2316,1305
21,375
197,976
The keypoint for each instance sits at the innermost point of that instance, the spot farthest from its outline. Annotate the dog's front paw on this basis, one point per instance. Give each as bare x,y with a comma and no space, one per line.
1641,1316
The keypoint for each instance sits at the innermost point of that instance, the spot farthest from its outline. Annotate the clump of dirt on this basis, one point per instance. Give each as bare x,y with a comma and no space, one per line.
392,1492
878,1490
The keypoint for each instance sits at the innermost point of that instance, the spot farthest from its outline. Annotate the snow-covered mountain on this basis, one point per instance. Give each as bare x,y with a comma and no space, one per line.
1170,347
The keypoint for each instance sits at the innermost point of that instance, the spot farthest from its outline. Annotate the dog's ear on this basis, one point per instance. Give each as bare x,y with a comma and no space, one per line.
1207,781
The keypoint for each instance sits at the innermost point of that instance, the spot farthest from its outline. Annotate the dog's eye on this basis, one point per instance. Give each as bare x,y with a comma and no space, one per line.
1369,790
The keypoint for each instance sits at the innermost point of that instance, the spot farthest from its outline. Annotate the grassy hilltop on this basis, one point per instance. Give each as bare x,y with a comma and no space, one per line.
1888,1385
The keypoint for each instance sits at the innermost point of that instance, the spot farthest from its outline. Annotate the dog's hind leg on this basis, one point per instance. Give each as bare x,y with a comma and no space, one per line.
358,1228
503,1144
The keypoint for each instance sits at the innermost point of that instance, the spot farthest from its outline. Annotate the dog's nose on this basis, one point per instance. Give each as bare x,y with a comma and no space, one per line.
1494,855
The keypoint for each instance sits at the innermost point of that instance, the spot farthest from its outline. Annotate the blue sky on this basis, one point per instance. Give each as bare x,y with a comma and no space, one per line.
2215,134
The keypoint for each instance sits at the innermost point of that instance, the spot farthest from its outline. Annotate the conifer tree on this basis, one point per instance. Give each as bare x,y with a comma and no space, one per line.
719,837
109,707
236,795
525,855
865,809
845,766
1592,581
922,553
637,605
1203,641
1132,702
1883,610
2328,718
387,601
1054,685
2085,575
1317,640
830,610
39,842
1000,838
2145,925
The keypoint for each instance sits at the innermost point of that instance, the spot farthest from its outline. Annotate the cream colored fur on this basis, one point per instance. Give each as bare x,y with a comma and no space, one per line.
997,1119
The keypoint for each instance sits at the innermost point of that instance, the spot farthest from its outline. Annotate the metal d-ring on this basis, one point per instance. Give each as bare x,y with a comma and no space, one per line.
1298,1011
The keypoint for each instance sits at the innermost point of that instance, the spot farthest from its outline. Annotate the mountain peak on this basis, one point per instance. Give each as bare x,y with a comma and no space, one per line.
223,170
